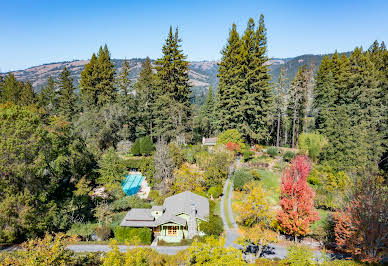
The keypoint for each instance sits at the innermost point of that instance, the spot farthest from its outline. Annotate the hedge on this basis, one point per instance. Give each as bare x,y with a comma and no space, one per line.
123,234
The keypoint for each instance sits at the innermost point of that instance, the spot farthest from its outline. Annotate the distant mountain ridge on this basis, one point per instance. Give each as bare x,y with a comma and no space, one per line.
202,74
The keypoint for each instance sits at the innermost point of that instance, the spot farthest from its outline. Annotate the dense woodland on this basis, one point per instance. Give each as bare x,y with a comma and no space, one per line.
59,149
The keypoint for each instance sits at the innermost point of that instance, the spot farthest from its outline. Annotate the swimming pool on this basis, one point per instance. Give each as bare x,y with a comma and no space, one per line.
131,184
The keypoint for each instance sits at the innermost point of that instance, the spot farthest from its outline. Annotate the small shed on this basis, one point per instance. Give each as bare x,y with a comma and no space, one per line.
209,141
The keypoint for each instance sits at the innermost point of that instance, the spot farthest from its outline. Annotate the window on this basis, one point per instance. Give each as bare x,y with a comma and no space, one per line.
172,230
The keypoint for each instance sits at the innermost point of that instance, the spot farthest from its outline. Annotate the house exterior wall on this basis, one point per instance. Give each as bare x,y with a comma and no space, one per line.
181,233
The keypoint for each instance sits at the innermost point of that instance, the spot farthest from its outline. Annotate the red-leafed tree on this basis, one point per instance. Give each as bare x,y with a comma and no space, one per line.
235,147
361,229
296,199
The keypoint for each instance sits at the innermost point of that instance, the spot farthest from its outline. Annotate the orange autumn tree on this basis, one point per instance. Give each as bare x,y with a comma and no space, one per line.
361,229
296,199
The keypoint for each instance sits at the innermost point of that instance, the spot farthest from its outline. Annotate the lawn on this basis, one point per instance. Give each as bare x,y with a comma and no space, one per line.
271,182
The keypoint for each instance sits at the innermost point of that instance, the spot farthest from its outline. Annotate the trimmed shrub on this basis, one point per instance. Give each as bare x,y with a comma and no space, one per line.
214,227
215,191
240,178
82,230
136,147
288,156
128,202
146,146
103,233
123,234
272,151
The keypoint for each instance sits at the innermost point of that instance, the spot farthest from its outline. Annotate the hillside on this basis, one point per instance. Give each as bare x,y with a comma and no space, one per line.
202,73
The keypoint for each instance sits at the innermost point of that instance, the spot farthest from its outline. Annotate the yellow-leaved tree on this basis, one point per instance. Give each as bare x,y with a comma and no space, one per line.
188,178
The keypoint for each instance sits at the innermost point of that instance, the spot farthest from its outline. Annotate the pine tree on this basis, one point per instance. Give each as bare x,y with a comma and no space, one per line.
97,80
258,97
123,80
27,94
106,73
47,97
172,106
88,83
11,89
244,94
66,99
228,95
145,96
207,114
280,105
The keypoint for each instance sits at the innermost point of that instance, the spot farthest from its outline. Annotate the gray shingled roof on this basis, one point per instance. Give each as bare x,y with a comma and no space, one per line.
157,208
182,203
173,206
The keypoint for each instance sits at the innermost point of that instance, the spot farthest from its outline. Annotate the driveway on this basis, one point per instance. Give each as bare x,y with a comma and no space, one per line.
123,248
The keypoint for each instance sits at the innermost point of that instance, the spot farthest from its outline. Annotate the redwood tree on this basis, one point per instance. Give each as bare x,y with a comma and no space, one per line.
296,199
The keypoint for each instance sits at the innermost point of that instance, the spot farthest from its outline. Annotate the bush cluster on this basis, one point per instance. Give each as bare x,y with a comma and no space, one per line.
240,178
272,151
123,234
288,156
142,146
215,191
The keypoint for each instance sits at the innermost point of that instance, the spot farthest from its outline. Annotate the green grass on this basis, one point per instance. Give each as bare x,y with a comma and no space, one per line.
323,217
226,209
271,182
217,208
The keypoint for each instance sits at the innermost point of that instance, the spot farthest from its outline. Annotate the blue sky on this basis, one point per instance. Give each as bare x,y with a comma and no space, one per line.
35,32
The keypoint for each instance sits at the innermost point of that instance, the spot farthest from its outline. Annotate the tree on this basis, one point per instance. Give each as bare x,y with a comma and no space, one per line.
97,80
311,144
27,94
111,169
361,228
230,135
298,100
187,179
47,97
135,150
164,165
11,89
296,199
172,105
66,96
146,145
280,105
145,95
213,252
255,209
41,162
123,80
244,94
213,227
207,114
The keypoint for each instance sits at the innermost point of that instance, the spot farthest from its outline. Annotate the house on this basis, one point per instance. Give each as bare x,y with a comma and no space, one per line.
209,141
178,218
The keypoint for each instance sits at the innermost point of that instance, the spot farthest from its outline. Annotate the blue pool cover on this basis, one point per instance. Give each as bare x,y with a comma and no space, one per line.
131,183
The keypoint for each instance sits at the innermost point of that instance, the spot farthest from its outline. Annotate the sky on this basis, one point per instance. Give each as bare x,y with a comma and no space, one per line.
34,32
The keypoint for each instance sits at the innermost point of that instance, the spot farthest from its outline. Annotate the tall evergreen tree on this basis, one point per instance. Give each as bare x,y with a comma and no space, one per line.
244,94
97,80
47,97
11,89
297,105
145,94
123,80
207,113
228,95
27,94
66,99
172,107
280,106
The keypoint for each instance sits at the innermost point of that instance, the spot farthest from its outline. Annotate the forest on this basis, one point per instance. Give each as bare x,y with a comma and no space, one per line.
311,156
